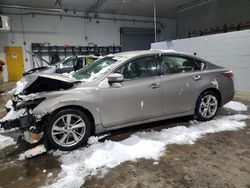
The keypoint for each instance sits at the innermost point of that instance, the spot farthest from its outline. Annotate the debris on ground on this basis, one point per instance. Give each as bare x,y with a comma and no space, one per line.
38,150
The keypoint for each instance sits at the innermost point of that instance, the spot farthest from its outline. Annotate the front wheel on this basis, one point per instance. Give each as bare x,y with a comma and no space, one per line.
68,129
207,106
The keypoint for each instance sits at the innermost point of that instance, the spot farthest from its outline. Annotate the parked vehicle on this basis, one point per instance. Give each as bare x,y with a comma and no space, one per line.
117,91
66,65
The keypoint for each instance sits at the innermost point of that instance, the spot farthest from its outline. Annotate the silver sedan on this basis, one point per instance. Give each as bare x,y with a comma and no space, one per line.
122,90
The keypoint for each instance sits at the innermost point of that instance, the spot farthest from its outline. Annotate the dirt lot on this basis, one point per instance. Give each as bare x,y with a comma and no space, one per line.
217,160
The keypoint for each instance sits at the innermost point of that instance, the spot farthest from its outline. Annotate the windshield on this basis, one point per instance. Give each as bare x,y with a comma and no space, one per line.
95,69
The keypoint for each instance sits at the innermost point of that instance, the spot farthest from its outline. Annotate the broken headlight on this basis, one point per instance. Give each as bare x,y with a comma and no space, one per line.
31,104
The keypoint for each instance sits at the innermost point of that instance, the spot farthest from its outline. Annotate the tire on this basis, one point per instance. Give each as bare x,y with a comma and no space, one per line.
68,129
207,106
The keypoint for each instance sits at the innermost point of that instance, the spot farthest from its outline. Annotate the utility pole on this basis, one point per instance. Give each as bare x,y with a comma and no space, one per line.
155,22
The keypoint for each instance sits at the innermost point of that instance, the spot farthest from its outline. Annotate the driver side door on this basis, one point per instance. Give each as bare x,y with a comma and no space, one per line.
138,98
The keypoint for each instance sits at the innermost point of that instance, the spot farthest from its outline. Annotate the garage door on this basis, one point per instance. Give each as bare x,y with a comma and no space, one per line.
136,38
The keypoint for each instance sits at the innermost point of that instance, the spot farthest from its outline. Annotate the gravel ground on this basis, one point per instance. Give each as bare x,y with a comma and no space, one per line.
217,160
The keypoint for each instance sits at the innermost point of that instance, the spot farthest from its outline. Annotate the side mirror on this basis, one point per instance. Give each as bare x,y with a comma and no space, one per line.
115,78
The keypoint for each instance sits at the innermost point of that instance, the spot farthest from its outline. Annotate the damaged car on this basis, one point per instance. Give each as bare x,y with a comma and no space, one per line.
117,91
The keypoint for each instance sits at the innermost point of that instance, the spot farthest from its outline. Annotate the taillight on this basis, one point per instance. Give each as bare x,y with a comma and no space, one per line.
228,74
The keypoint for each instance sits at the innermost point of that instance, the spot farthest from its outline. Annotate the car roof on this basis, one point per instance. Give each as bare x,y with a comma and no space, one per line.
130,54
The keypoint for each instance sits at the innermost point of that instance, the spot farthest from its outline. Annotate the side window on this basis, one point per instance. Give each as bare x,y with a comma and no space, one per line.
201,65
78,63
139,68
174,64
69,62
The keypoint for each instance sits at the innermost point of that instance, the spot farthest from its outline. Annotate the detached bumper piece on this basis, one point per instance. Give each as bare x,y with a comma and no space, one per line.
36,151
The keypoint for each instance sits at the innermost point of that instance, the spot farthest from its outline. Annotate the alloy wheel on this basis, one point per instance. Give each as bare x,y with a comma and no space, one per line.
208,106
68,130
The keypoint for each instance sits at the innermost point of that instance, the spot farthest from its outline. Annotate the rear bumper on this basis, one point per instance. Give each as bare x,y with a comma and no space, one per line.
227,93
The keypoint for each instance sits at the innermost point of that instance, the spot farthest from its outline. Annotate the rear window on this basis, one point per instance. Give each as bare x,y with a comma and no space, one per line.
176,64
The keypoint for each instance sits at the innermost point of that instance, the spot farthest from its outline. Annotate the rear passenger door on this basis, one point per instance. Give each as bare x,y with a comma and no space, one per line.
180,82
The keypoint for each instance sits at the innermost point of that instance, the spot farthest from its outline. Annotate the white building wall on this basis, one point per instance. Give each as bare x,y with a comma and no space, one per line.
213,14
72,31
231,50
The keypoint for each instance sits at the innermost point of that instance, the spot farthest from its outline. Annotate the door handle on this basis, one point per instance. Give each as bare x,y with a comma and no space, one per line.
155,85
197,77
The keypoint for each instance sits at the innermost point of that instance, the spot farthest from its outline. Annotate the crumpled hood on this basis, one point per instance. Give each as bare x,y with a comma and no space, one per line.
35,83
45,69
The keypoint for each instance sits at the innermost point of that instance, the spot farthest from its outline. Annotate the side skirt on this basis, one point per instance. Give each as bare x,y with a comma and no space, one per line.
101,129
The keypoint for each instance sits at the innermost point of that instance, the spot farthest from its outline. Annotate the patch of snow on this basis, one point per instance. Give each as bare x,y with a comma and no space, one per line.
59,153
70,75
156,163
9,104
20,178
98,157
95,75
188,135
95,139
20,85
6,141
50,174
12,115
193,122
119,58
237,106
29,97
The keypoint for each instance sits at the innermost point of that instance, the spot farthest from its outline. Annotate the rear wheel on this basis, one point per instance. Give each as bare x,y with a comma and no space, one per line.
68,129
207,106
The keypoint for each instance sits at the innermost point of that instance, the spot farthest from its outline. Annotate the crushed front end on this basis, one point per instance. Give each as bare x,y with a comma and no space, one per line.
28,96
20,115
30,92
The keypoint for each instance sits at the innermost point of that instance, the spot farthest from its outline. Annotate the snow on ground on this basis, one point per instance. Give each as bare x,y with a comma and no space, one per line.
6,141
99,157
237,106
